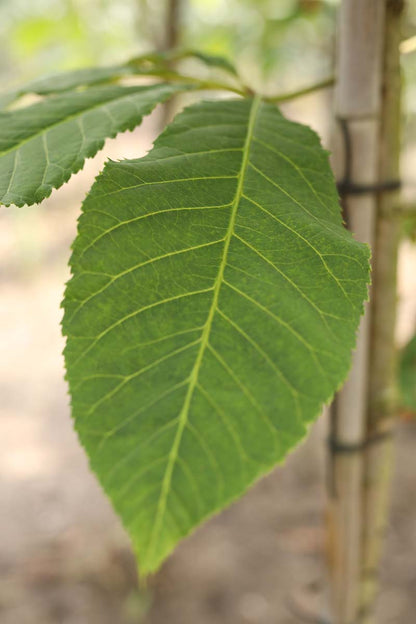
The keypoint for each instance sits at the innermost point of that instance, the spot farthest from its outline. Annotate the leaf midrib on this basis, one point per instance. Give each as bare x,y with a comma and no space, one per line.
193,378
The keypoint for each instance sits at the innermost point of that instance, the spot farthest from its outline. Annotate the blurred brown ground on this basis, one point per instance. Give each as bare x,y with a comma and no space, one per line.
64,559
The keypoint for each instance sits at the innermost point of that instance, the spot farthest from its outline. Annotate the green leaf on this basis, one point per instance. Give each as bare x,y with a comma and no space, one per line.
69,80
164,59
8,97
212,311
42,145
407,375
211,60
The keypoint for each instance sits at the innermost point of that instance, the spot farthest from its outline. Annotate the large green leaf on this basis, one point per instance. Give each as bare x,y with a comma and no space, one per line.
42,145
212,311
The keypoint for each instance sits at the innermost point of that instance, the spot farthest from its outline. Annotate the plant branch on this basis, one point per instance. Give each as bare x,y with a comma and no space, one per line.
163,71
201,84
284,97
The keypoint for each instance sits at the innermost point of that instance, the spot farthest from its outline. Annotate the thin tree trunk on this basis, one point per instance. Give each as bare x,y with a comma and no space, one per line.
358,105
173,17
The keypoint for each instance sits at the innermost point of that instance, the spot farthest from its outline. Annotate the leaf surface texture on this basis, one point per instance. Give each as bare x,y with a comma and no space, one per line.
212,310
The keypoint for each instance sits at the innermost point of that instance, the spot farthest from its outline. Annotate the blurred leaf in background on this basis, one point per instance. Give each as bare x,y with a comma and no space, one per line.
407,376
277,46
45,36
268,40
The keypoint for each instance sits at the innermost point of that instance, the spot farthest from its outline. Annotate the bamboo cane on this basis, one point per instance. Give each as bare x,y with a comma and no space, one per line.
383,398
357,104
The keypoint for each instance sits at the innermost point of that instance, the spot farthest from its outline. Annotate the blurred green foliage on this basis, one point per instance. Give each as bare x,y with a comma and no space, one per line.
276,43
407,375
44,36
